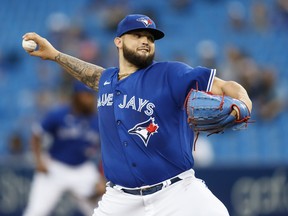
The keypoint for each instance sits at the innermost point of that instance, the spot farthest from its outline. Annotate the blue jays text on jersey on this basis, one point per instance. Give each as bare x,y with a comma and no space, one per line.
73,135
132,103
142,122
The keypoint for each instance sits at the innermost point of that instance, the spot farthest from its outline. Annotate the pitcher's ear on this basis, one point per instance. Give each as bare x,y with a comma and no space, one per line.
118,42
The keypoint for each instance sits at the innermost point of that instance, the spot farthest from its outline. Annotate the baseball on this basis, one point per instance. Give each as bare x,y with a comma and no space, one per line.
29,45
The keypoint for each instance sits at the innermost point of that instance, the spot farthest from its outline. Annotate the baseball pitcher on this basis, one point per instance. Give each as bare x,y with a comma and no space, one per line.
148,112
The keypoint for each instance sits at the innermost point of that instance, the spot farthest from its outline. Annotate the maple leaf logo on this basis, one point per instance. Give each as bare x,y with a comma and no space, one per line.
145,130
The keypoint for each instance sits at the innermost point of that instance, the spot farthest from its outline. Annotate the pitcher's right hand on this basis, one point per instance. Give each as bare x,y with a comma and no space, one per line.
45,49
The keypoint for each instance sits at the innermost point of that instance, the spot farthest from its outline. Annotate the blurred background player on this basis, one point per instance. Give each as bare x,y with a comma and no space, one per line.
67,165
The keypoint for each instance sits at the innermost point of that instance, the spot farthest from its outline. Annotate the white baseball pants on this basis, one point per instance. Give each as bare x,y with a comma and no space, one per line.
47,189
188,197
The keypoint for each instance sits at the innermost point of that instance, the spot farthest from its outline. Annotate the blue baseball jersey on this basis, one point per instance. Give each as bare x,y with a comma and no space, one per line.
143,125
74,136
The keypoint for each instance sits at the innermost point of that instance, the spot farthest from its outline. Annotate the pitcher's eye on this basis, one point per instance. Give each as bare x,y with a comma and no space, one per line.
137,35
151,38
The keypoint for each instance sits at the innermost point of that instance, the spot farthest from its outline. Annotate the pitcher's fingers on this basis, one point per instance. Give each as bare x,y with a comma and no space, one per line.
29,34
32,36
235,113
35,53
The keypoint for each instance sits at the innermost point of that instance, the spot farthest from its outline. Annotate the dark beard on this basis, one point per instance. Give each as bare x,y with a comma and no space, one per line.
136,59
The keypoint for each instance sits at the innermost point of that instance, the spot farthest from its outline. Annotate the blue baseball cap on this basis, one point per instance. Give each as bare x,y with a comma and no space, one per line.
79,87
138,22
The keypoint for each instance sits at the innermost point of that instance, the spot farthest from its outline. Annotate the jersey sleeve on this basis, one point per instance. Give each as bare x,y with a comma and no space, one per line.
182,78
49,123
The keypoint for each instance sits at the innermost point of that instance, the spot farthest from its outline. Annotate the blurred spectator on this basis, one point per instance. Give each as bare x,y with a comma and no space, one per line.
58,25
207,51
113,14
240,67
58,22
70,41
182,57
232,66
16,144
260,16
259,83
280,18
268,102
17,155
89,51
248,74
236,14
181,5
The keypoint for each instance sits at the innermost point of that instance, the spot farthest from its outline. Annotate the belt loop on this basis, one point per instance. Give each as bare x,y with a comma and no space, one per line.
186,174
166,183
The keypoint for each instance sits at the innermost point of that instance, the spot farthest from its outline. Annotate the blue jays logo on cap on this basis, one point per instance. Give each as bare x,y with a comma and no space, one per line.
138,22
145,21
145,130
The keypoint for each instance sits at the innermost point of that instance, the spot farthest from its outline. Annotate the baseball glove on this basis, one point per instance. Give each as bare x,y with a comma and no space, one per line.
212,113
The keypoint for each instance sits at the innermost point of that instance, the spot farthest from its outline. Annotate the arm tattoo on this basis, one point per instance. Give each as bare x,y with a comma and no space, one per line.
85,72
